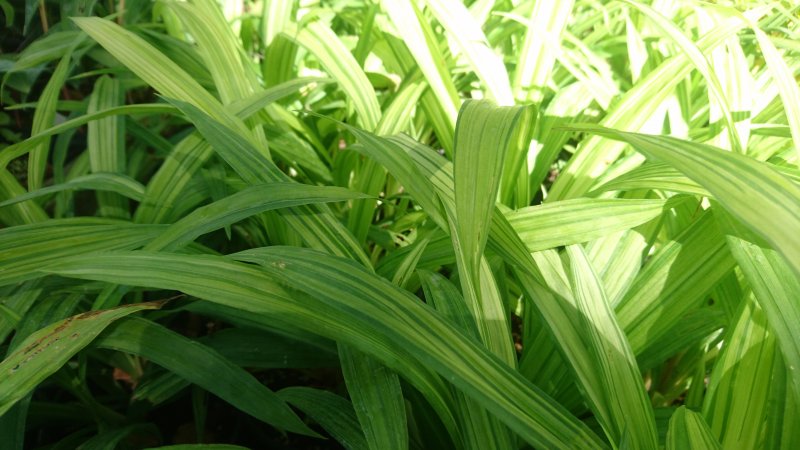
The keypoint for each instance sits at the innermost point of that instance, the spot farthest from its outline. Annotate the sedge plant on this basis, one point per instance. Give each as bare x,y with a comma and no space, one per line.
399,224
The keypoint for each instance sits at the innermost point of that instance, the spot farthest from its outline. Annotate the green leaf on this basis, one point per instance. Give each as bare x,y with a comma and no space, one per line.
631,112
219,47
700,62
106,143
786,82
15,151
149,64
245,203
480,430
45,351
673,281
687,429
775,287
580,220
112,182
377,399
415,35
24,213
653,175
735,404
546,22
315,224
756,194
199,447
202,366
43,118
169,183
386,322
333,413
25,249
340,63
484,133
466,31
622,405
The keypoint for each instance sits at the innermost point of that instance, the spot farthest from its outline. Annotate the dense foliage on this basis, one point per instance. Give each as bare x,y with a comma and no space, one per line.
428,224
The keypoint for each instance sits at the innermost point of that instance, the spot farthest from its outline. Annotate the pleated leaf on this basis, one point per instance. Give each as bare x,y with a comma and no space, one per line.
106,143
202,366
763,199
632,110
687,429
112,182
387,323
775,287
25,249
45,351
245,203
333,413
580,220
43,118
736,400
625,406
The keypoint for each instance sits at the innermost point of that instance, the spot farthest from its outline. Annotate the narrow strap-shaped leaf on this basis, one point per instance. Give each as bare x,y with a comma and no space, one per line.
320,229
175,173
459,23
42,119
339,280
625,406
671,31
387,322
507,241
782,431
45,351
113,182
786,82
377,398
484,133
199,447
426,381
23,213
49,47
653,175
340,63
148,63
760,197
580,220
108,440
673,281
687,429
333,413
735,403
480,430
546,22
219,47
402,167
405,16
776,289
245,203
371,178
106,144
315,224
203,366
24,249
632,111
15,151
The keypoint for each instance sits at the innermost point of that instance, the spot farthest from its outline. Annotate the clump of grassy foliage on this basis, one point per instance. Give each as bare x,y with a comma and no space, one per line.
400,224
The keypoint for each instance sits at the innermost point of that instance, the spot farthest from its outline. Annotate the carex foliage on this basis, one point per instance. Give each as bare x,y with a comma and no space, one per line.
400,224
